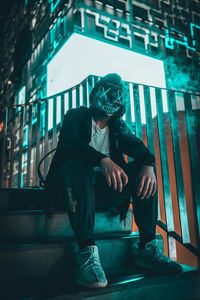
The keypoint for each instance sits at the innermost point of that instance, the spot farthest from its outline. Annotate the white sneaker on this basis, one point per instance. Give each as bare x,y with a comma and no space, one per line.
152,257
89,272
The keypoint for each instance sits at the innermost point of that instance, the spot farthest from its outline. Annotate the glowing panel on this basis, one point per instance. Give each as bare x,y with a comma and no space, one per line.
81,56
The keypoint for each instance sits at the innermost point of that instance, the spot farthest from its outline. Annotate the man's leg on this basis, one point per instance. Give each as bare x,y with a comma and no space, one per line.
77,187
75,179
148,253
145,210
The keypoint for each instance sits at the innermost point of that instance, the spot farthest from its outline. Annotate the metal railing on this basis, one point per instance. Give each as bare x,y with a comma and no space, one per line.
168,122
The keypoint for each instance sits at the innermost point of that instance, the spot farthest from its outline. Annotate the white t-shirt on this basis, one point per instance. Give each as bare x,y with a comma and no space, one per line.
100,140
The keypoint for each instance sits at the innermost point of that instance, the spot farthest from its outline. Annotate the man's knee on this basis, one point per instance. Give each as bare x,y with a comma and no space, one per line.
77,163
77,169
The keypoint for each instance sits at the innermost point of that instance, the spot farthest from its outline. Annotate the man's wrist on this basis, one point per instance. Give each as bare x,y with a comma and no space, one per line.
101,161
144,165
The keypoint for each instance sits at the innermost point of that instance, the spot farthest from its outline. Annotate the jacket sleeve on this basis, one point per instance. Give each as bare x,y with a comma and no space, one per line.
70,143
133,146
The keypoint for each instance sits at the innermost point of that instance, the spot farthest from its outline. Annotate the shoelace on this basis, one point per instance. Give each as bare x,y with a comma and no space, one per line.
158,253
92,260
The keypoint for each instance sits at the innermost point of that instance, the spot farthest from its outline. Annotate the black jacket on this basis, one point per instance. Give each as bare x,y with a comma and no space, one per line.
75,136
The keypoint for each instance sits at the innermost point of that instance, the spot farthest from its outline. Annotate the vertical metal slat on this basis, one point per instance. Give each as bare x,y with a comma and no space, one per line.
150,131
70,99
46,136
62,110
164,162
194,159
128,109
37,144
77,96
3,180
54,122
178,167
29,145
149,122
84,93
137,111
90,85
21,145
12,129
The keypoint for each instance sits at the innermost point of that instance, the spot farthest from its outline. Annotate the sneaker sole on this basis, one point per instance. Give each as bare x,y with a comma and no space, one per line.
156,270
92,285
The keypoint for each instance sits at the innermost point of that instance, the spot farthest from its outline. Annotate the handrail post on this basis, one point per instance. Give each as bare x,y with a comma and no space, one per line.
46,137
5,120
12,129
37,143
21,145
54,141
28,181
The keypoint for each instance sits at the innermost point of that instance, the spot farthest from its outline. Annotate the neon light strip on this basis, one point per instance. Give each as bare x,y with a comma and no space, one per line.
53,6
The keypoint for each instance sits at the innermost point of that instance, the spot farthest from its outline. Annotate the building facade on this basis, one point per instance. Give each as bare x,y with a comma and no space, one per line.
36,30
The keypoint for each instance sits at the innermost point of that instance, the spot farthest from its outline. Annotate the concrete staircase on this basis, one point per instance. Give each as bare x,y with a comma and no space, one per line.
37,255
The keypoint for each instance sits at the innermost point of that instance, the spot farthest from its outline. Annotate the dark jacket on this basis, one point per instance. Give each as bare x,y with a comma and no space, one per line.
75,136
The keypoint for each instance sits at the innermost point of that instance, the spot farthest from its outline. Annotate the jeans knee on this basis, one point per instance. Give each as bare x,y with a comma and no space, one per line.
78,163
75,161
78,166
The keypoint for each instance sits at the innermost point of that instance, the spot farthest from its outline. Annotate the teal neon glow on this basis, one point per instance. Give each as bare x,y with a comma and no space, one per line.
192,26
21,97
42,123
55,44
25,136
22,177
169,41
53,4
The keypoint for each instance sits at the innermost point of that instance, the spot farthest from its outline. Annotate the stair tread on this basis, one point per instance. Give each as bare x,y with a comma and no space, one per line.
61,240
22,189
55,288
43,211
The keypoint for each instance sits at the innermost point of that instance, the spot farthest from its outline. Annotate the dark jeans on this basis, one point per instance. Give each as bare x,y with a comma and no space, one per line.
85,191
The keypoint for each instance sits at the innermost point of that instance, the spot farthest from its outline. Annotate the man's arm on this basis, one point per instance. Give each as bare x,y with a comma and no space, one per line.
145,184
70,142
133,146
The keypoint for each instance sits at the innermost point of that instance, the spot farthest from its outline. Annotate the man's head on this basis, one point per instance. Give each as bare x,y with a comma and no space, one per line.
108,96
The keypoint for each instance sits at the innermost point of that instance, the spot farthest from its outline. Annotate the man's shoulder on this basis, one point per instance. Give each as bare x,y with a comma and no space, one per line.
78,112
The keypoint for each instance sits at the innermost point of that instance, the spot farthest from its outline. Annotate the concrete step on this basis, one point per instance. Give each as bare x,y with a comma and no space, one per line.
55,257
33,224
123,284
22,199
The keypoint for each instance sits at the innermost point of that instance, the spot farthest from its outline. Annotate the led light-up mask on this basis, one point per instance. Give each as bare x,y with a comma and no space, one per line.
109,98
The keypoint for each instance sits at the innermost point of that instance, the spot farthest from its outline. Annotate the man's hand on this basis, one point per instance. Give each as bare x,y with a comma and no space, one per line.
114,174
146,184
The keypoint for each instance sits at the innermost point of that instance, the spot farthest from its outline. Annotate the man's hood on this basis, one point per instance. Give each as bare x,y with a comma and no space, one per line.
113,78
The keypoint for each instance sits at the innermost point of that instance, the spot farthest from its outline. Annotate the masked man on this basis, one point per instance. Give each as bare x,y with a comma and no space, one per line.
89,171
